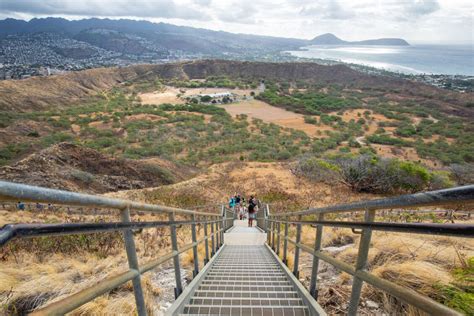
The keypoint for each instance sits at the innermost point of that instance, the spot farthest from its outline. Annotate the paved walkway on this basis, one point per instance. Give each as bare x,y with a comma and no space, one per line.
241,234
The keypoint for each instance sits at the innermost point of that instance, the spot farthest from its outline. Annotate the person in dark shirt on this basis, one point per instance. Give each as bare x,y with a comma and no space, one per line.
252,209
238,199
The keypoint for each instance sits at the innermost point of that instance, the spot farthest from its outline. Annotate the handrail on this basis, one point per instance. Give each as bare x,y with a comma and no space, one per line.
219,222
14,191
272,225
11,231
458,195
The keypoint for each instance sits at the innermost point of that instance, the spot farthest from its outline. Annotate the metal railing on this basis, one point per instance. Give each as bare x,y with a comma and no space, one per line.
272,223
218,223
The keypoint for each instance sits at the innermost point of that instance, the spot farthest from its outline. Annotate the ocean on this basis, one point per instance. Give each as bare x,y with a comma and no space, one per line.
414,59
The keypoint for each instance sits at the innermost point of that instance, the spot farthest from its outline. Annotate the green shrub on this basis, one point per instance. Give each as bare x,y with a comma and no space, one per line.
385,139
159,172
55,138
310,120
12,151
405,130
82,176
368,173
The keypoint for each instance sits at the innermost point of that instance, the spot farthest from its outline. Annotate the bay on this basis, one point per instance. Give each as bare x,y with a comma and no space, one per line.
414,59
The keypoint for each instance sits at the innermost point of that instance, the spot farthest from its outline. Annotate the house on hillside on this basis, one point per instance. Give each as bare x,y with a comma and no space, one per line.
215,98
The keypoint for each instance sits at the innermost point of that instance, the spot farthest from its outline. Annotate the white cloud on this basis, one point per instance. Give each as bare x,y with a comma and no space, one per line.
109,8
414,20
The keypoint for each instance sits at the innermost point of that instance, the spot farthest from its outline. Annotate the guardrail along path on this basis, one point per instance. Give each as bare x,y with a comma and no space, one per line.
242,272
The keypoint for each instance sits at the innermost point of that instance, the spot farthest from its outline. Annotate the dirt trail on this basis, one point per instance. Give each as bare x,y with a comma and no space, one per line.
271,114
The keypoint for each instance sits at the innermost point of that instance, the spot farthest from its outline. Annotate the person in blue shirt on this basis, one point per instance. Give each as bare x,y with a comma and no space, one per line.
232,202
21,206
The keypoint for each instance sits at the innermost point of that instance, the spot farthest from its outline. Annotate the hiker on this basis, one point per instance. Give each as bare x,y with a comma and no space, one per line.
20,206
242,211
252,209
238,200
232,202
39,207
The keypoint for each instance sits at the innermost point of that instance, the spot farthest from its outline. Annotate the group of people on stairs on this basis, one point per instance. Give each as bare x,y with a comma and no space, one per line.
244,209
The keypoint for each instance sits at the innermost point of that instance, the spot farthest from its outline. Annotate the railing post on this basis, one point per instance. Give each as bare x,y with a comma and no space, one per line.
195,248
285,242
267,217
206,241
297,249
272,225
278,239
223,224
212,236
217,232
133,264
313,288
177,270
361,263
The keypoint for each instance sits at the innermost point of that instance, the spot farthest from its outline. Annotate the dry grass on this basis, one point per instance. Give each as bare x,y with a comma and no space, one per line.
422,263
36,278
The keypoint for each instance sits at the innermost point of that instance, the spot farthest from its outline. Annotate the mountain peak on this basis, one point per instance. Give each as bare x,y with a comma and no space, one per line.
331,39
327,39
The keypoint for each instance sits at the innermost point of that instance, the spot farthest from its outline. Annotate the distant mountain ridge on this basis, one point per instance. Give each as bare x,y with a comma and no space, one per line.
169,36
160,36
331,39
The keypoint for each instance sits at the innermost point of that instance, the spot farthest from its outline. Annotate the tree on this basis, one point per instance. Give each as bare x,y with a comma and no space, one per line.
206,98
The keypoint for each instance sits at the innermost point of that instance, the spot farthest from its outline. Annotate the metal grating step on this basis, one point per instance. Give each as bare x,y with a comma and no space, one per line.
245,288
246,310
262,294
245,280
251,301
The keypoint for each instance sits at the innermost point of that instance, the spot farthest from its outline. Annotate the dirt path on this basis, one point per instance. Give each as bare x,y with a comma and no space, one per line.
168,95
271,114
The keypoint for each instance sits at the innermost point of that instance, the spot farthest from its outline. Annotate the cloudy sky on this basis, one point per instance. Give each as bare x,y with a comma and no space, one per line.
433,21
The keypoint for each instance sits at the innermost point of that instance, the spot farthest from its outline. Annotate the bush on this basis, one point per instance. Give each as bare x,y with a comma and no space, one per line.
159,172
441,180
405,130
205,98
368,173
462,174
385,139
11,151
82,176
315,169
310,120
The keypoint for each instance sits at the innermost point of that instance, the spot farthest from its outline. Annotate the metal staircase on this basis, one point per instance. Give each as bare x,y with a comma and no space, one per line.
242,272
246,280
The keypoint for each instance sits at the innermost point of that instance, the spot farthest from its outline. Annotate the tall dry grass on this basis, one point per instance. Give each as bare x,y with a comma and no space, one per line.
423,263
39,271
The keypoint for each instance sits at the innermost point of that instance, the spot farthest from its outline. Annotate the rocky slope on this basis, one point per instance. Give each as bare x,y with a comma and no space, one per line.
71,167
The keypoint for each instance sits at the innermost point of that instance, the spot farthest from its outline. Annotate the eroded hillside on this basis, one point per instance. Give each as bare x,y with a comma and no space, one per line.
67,166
